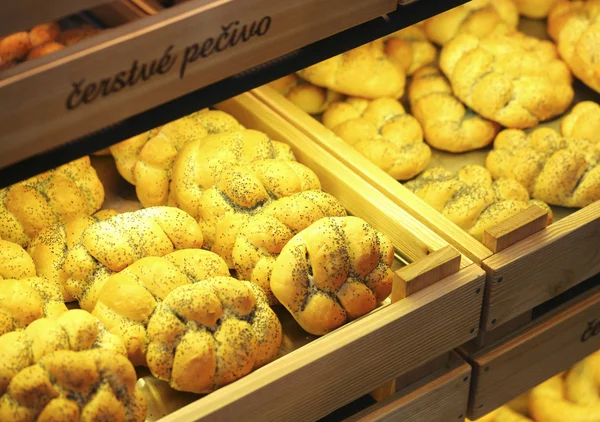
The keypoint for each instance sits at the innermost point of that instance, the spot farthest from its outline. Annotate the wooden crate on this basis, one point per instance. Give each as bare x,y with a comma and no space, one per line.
146,63
441,311
536,352
439,396
534,269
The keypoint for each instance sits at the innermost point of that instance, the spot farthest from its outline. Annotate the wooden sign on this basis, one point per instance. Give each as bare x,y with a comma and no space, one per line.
133,68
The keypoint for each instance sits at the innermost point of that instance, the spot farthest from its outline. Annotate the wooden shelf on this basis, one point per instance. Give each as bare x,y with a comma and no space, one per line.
536,352
43,87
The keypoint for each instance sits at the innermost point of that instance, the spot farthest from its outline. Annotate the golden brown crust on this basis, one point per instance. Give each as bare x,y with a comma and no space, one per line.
146,160
470,199
23,301
334,271
365,71
69,191
44,33
410,48
477,17
44,49
66,385
582,122
15,47
15,263
576,28
559,171
75,35
201,163
82,254
508,77
128,299
73,330
206,335
447,124
382,131
308,97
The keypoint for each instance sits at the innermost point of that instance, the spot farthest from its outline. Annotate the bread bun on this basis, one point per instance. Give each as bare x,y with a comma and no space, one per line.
334,271
307,97
201,162
447,124
128,299
28,207
73,330
365,71
535,9
508,77
81,254
44,33
470,199
206,335
24,301
44,50
477,18
582,122
146,160
66,385
15,263
559,171
75,35
15,47
410,48
576,28
383,132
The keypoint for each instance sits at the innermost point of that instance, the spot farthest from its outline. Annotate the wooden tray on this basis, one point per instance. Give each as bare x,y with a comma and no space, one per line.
534,269
439,396
543,348
441,309
148,62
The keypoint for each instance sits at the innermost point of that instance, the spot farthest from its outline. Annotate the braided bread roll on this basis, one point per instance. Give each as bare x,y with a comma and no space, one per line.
508,77
206,335
89,385
307,97
476,17
410,48
576,28
73,330
128,299
535,9
28,207
582,122
551,402
82,254
199,164
15,262
447,124
335,270
23,301
146,160
470,199
559,171
383,132
365,71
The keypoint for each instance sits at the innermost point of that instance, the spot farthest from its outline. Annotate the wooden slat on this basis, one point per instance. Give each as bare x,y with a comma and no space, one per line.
515,228
413,240
334,370
542,266
395,191
412,279
423,273
42,88
439,397
23,14
542,350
